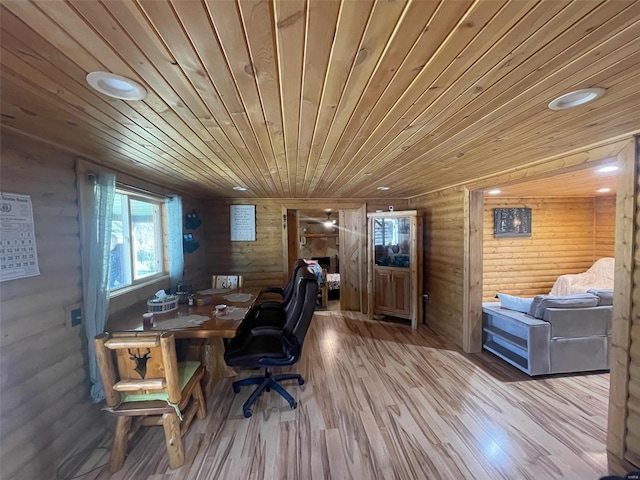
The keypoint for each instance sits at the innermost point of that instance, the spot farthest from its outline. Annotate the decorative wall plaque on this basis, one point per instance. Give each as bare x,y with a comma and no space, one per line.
243,223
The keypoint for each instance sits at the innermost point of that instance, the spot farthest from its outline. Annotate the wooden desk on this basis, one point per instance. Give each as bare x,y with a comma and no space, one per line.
206,343
216,326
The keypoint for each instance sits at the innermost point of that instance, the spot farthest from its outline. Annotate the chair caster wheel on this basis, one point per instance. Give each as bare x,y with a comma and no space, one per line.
293,405
247,413
301,381
268,389
236,388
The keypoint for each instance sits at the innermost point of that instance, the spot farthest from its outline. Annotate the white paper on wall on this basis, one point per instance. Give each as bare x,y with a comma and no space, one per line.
18,253
243,223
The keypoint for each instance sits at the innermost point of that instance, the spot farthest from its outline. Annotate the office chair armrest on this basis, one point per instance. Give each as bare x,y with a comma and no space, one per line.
273,332
271,305
278,290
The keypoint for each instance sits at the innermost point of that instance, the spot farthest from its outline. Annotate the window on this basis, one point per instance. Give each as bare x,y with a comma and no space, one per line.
136,239
385,231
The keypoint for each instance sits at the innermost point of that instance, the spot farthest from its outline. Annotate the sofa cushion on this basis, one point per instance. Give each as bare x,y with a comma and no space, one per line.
605,297
512,302
577,300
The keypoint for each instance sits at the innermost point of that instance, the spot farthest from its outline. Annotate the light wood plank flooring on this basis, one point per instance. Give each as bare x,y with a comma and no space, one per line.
385,402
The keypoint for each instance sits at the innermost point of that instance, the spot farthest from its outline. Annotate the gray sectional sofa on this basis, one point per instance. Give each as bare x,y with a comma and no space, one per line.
559,334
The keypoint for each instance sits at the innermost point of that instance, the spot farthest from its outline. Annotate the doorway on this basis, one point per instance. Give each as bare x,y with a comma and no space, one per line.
336,237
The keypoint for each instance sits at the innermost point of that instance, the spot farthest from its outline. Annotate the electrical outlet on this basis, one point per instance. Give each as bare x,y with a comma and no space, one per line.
73,315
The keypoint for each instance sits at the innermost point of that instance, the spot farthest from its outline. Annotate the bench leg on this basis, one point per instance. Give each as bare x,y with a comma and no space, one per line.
202,402
172,438
119,444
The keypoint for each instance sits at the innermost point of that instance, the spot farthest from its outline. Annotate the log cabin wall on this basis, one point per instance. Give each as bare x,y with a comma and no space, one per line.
626,315
565,238
45,410
261,261
623,429
605,227
444,220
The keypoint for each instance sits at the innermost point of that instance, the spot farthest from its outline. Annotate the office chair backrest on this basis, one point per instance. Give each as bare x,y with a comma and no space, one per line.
293,307
290,287
304,301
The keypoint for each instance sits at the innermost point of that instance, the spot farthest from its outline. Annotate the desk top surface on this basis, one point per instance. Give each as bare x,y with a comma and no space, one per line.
215,326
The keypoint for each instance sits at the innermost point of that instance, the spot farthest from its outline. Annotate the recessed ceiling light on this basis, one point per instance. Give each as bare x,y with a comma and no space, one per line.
384,188
604,190
577,98
493,192
240,189
607,169
116,86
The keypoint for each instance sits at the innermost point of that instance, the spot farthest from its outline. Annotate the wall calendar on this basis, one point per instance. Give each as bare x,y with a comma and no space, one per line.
18,253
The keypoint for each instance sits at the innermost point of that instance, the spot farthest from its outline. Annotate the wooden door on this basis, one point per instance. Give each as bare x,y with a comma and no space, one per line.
383,298
401,291
352,259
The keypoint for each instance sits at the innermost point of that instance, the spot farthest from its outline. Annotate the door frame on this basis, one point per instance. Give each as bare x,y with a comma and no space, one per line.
627,154
315,204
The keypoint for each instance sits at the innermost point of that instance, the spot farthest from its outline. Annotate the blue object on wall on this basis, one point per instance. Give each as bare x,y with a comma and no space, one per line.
189,245
192,221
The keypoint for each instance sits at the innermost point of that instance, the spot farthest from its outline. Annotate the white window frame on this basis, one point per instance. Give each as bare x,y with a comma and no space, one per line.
132,193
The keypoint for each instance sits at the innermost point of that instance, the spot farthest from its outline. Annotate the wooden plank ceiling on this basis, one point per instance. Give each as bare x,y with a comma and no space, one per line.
315,99
586,180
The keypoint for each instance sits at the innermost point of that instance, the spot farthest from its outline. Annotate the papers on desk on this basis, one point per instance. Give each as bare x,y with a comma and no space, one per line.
180,322
232,313
238,297
214,291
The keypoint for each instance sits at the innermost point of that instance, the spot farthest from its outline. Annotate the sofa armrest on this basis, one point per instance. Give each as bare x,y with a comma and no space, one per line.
516,337
579,322
494,308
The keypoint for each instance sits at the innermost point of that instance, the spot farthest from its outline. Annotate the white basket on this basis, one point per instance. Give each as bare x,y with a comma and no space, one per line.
162,305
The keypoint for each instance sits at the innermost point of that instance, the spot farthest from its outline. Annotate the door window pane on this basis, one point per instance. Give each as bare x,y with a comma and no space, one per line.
391,241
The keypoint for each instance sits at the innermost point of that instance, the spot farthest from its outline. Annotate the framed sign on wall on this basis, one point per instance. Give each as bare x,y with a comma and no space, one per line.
511,222
243,223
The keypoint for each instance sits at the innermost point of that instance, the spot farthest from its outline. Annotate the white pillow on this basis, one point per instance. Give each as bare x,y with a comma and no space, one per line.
512,302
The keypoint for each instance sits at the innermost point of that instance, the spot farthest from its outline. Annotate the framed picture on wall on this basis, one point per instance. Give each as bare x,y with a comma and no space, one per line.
511,222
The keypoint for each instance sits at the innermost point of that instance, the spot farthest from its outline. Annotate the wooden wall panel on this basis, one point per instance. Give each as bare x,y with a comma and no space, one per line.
44,402
605,226
45,409
195,263
443,259
623,437
562,241
261,262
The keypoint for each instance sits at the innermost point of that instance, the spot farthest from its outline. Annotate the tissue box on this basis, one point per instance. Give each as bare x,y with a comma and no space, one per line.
167,303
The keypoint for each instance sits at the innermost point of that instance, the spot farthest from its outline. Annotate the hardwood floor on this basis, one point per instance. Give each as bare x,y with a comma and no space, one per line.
382,402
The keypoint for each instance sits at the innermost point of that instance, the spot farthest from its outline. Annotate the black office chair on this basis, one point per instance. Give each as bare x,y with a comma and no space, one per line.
274,314
286,292
269,345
